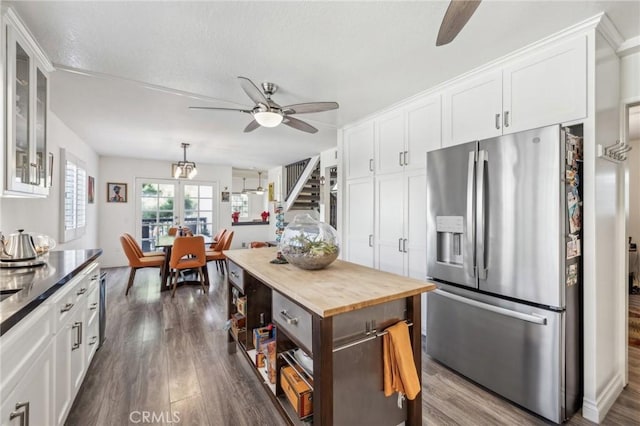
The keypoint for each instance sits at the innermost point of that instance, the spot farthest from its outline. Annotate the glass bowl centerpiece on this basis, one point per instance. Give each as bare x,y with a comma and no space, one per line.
309,244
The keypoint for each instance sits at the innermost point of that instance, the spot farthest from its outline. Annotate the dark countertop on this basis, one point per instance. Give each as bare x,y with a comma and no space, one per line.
249,223
39,283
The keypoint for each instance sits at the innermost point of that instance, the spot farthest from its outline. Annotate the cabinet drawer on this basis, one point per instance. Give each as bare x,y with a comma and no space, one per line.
236,275
22,344
294,320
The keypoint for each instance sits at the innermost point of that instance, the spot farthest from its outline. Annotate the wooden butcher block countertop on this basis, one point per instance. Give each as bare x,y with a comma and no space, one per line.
340,287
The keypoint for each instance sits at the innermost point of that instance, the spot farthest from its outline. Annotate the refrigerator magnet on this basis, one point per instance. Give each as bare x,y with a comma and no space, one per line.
572,275
573,248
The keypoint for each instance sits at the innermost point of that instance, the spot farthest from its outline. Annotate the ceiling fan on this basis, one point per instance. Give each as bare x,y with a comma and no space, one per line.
457,15
267,113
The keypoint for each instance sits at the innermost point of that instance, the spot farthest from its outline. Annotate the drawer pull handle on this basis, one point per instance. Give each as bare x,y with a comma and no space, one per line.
24,415
66,307
288,318
82,291
93,341
234,274
93,306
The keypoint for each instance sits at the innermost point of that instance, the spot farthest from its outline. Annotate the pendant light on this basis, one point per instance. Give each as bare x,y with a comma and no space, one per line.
259,189
244,187
184,169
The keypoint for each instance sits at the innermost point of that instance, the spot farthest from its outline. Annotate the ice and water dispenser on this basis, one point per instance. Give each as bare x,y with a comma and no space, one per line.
450,231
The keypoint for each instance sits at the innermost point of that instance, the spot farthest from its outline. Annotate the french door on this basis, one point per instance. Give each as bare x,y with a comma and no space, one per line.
163,203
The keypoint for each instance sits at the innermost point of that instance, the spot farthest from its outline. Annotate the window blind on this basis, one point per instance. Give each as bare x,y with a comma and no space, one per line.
74,197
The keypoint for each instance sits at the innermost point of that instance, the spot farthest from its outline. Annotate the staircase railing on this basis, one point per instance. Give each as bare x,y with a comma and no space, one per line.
293,172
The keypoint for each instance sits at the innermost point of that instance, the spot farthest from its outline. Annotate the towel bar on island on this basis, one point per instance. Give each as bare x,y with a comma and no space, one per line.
369,335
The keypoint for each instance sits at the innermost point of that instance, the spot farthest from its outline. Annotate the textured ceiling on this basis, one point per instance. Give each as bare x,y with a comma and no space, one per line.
364,55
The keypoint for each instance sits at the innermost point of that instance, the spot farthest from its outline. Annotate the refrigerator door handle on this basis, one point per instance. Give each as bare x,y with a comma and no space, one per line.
480,226
532,318
469,260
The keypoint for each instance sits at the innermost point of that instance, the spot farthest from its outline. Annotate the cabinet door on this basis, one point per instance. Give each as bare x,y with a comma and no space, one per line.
19,110
415,224
359,221
40,133
472,110
389,223
358,150
36,388
424,131
69,364
390,143
546,88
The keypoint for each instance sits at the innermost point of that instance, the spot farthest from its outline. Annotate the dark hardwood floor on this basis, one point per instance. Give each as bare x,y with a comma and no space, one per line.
168,357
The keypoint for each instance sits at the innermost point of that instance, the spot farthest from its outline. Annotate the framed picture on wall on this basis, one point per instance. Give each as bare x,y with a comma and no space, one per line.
116,192
91,189
224,197
272,196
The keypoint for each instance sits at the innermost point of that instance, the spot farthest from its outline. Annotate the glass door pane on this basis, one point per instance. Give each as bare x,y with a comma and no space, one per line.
41,128
198,207
157,210
21,115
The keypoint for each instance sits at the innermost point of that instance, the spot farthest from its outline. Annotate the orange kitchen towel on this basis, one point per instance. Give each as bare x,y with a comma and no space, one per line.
400,373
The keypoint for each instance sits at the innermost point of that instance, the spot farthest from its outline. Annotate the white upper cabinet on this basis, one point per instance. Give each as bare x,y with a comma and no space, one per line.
472,110
424,130
547,88
358,151
404,135
390,147
27,166
540,89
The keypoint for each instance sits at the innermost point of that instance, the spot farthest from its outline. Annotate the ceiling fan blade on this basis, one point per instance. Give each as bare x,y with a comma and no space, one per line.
457,15
251,126
310,107
222,109
252,91
299,124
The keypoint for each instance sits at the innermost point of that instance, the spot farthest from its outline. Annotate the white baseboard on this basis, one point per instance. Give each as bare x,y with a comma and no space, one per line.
595,411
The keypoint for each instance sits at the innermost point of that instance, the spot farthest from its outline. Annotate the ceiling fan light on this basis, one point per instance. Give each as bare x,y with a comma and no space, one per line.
268,118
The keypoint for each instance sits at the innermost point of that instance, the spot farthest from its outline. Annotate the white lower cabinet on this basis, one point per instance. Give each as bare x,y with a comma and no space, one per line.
31,401
358,222
401,232
75,310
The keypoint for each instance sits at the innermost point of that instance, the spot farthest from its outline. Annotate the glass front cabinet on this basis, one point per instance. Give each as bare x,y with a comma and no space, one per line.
27,165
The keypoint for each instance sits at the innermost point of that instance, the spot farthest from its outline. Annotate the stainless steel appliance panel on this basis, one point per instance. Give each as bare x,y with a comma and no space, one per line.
501,345
450,204
519,197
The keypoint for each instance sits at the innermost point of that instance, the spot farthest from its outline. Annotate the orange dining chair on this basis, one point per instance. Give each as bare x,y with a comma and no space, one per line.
218,255
138,249
173,231
257,244
217,238
188,253
138,262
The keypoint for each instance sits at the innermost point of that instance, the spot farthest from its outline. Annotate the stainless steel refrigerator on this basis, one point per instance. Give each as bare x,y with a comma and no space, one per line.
507,311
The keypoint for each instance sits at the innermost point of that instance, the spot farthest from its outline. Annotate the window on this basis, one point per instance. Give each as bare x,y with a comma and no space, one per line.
240,203
74,197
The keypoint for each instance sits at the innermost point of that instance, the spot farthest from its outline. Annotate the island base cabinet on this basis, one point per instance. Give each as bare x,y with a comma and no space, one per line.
30,402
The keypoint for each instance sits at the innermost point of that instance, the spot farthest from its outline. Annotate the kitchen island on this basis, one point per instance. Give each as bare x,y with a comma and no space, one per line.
335,316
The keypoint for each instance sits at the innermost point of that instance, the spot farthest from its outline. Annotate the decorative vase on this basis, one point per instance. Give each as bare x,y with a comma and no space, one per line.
309,244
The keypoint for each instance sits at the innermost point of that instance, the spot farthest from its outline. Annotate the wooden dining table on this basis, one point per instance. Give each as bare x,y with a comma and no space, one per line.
166,243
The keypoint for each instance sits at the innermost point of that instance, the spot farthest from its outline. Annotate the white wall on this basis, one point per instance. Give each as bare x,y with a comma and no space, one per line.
630,76
117,218
41,215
